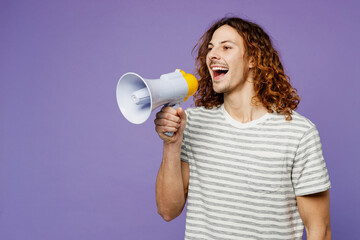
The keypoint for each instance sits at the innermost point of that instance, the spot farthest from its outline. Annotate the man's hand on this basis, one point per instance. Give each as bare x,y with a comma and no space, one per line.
170,120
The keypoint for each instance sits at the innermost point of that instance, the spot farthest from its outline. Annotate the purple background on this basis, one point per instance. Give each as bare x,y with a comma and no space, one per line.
73,168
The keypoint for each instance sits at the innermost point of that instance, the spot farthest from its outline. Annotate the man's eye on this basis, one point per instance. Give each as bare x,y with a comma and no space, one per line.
227,48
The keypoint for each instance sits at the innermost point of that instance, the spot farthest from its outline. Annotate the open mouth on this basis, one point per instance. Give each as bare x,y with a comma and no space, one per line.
219,72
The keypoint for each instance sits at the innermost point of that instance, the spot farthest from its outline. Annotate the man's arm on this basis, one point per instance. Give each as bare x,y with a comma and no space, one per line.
173,177
314,210
171,188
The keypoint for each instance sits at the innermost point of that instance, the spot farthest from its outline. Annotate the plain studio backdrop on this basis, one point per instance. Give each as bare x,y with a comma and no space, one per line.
73,168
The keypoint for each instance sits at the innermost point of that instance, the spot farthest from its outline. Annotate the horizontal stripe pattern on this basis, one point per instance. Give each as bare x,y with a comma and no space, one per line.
244,179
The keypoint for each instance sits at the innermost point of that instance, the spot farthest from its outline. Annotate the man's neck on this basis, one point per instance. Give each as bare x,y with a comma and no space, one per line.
238,104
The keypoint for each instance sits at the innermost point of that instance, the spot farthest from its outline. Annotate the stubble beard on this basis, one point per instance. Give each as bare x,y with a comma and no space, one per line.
220,89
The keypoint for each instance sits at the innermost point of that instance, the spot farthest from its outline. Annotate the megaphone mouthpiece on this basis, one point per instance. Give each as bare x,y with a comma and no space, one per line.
141,96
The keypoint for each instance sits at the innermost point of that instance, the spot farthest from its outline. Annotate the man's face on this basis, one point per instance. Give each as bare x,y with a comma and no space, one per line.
225,60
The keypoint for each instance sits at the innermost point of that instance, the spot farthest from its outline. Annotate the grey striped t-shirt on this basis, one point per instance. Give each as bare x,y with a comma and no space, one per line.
244,177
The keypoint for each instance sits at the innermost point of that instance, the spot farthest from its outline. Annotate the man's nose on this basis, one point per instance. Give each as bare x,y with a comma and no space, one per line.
214,54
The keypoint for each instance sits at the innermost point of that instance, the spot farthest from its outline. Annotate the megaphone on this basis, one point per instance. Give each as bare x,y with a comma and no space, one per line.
137,97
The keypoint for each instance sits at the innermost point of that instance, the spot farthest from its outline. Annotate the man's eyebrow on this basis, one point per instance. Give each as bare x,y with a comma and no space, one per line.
222,42
226,41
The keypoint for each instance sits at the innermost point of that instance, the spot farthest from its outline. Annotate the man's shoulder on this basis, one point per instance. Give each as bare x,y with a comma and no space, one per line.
299,118
298,127
298,123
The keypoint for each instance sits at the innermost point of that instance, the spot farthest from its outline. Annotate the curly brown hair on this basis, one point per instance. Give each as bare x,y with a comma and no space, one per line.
272,87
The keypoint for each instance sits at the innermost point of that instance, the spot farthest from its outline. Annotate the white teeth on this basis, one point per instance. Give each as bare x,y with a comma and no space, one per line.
219,68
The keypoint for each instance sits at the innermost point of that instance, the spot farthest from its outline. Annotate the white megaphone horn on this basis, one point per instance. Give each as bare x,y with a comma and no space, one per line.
137,97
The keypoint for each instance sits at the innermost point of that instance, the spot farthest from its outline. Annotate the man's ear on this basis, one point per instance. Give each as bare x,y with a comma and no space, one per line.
251,62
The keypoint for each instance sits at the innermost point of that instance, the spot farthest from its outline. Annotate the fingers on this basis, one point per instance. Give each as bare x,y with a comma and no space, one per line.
163,129
169,114
166,123
181,113
167,120
168,109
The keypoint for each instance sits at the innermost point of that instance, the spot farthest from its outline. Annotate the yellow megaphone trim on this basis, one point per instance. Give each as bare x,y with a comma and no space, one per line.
191,82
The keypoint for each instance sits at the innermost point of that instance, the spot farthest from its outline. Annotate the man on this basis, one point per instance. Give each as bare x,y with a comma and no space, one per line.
249,166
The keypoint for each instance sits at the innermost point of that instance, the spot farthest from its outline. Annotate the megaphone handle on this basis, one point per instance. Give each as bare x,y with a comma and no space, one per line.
174,106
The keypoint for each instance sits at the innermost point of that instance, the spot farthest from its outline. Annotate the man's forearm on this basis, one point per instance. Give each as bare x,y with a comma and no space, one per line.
314,210
170,193
319,233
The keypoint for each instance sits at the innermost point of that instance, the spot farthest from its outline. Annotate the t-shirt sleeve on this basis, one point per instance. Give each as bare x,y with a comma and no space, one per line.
185,146
309,173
